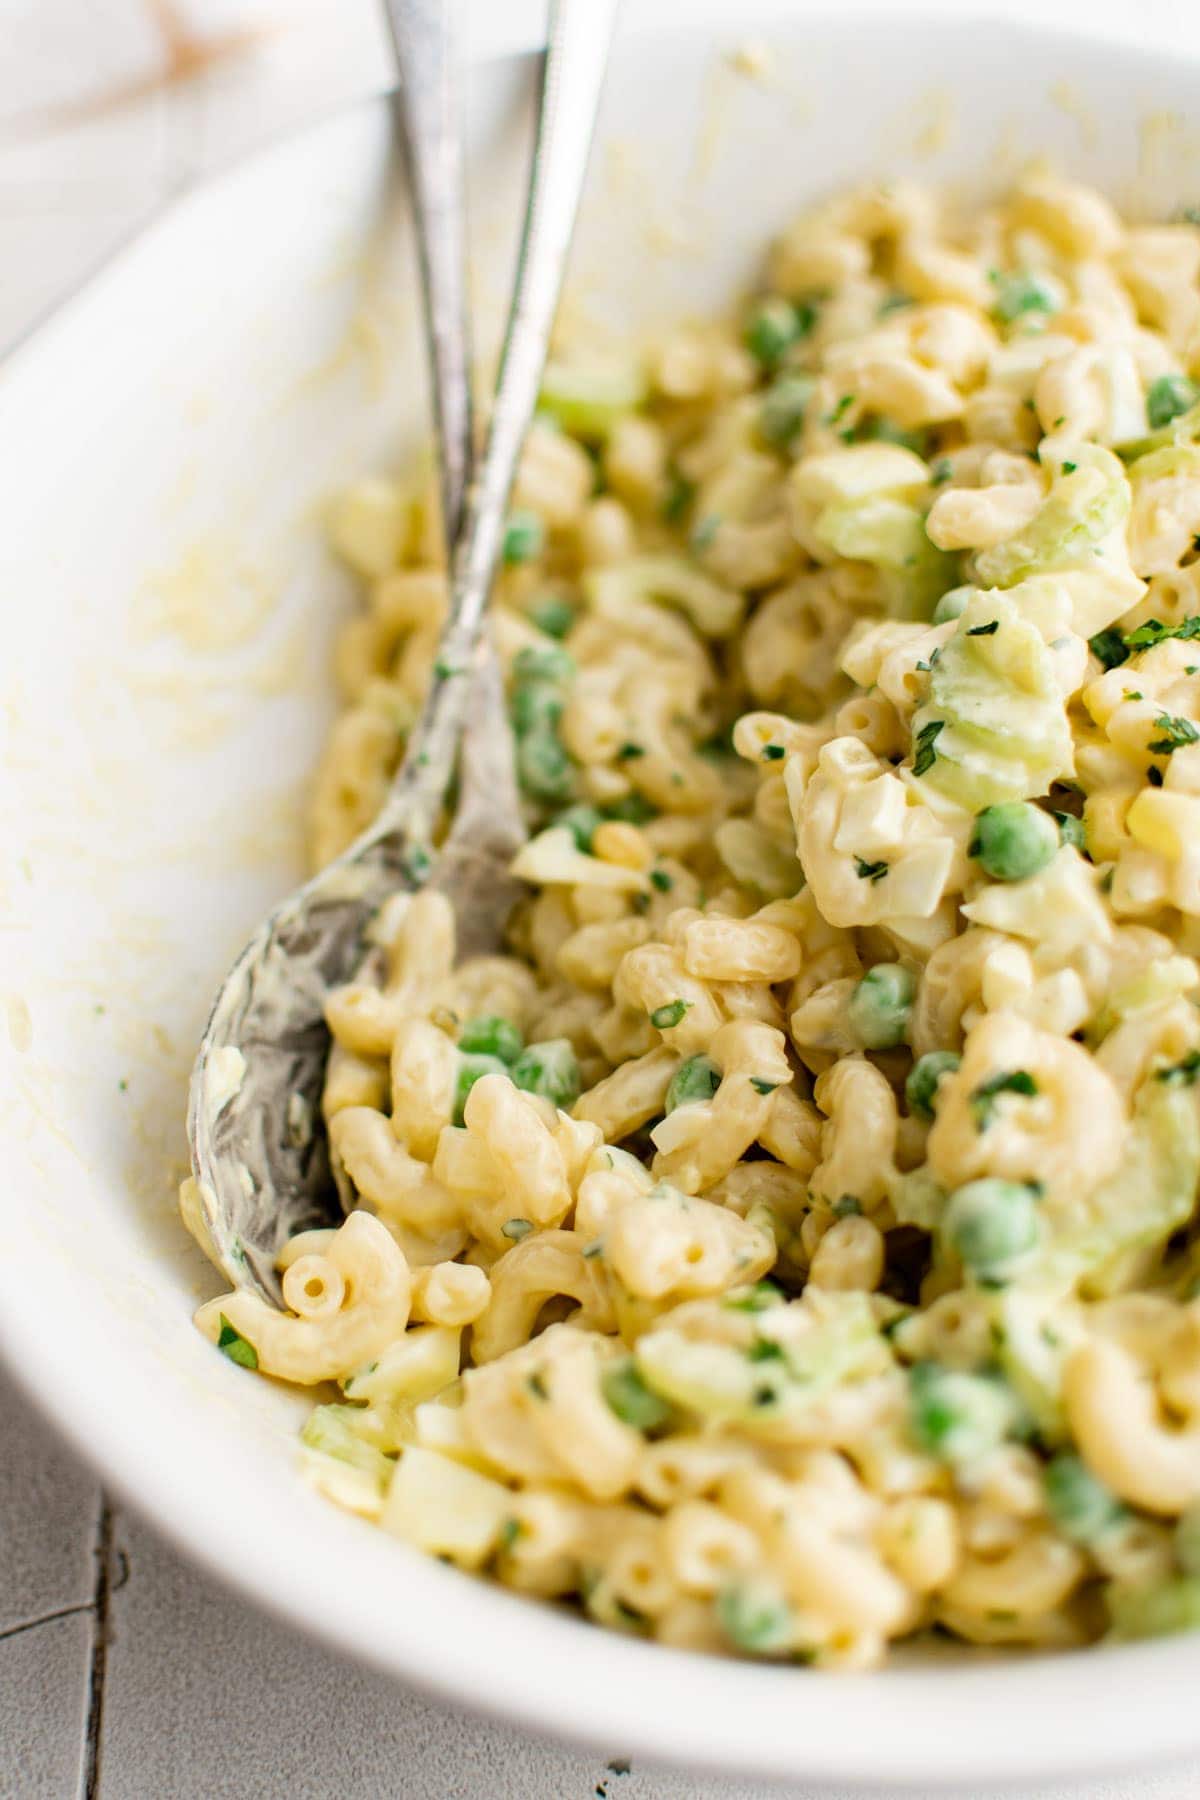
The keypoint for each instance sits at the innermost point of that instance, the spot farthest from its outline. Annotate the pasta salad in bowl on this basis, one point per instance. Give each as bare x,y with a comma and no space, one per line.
784,1248
788,1247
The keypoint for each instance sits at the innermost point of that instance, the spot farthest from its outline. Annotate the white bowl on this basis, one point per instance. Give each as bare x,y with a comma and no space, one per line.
167,441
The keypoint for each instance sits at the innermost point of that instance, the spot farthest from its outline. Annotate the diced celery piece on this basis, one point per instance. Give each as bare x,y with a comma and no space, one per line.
588,399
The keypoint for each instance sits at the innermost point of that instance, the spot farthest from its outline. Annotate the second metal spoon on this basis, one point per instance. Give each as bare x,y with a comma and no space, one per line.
259,1159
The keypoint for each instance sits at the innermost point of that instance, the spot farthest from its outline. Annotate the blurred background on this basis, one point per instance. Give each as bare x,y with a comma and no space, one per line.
107,107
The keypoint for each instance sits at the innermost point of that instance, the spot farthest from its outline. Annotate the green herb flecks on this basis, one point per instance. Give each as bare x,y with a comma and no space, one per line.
924,751
232,1344
870,871
984,1098
1181,1074
1174,734
664,1017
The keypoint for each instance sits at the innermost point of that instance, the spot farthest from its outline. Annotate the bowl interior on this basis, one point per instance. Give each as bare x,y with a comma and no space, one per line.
169,441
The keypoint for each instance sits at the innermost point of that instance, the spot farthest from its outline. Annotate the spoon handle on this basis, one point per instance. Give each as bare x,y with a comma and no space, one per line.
573,77
429,114
572,81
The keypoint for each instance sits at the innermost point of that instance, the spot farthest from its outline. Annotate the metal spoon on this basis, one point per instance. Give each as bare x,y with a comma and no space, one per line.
259,1155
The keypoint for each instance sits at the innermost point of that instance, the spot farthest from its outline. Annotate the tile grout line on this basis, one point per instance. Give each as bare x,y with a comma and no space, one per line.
50,1618
99,1607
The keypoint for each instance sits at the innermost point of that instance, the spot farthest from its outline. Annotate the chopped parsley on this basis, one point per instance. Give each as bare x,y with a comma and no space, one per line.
988,630
661,880
1110,648
630,752
1069,468
840,410
416,863
924,753
1155,632
1182,1074
516,1229
773,752
1154,776
233,1345
537,1386
942,471
510,1531
759,1298
664,1017
848,1207
630,1399
870,871
983,1098
1176,734
764,1350
762,1087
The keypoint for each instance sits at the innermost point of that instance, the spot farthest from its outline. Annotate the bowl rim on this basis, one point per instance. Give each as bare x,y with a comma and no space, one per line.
560,1677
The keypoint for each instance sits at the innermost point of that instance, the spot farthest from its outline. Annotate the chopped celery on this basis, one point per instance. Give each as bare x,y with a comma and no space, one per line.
588,400
995,726
1087,501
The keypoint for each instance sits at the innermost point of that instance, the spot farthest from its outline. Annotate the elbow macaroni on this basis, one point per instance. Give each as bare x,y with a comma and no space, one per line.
788,1243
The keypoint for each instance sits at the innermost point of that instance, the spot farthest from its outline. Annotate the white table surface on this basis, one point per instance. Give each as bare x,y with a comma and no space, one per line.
123,1673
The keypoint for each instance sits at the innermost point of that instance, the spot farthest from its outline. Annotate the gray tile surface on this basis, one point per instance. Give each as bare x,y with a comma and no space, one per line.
206,1698
43,1708
196,1696
48,1506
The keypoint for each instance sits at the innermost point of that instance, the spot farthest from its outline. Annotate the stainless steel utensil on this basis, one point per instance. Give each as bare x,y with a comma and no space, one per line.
259,1155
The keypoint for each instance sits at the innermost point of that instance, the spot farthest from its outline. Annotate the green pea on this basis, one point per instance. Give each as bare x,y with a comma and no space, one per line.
553,616
755,1617
543,662
629,1397
924,1079
490,1034
696,1079
884,431
880,1006
536,706
1080,1505
524,537
472,1068
772,329
783,408
1013,840
544,770
952,605
990,1224
1022,293
1167,397
549,1069
956,1416
633,809
582,822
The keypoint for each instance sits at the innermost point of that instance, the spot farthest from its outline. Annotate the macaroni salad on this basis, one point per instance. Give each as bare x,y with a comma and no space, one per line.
790,1246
